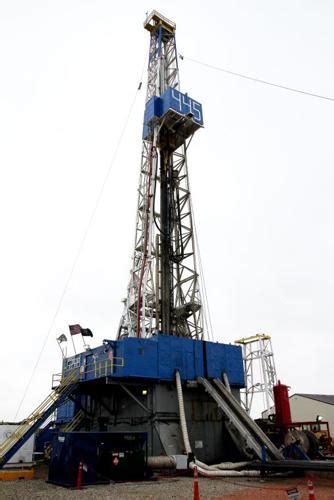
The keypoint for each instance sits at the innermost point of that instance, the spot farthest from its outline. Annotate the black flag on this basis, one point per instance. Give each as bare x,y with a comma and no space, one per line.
86,332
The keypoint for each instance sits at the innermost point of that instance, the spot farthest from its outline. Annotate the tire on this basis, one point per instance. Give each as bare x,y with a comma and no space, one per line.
313,450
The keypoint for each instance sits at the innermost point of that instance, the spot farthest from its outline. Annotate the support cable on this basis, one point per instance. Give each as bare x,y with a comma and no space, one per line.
257,80
206,308
83,241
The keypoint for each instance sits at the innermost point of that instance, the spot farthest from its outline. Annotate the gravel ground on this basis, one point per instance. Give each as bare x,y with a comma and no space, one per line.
162,489
167,488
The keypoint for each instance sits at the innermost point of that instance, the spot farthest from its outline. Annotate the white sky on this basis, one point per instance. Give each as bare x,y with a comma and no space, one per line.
261,174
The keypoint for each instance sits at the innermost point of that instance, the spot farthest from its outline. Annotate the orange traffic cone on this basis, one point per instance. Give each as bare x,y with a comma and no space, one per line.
196,488
310,486
79,476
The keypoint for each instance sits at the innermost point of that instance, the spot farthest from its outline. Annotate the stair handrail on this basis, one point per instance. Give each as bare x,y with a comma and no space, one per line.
70,378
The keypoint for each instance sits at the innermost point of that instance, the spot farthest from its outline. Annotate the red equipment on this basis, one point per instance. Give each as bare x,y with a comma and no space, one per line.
282,405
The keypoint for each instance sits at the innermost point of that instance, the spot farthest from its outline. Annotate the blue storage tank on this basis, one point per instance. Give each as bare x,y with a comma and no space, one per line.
106,456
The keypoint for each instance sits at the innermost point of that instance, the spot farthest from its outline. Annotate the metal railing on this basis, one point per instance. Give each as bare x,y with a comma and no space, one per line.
25,425
73,424
101,368
60,383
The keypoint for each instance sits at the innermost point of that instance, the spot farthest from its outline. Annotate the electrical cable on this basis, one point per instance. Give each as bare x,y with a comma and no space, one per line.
83,241
257,80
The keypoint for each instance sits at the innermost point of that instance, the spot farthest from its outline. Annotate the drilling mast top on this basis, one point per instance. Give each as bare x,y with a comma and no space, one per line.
163,292
155,20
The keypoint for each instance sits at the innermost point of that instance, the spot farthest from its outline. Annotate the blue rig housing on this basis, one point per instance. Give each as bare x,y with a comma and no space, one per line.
157,358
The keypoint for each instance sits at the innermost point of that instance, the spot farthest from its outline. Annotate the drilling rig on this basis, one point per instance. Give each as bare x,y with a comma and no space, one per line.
160,389
163,293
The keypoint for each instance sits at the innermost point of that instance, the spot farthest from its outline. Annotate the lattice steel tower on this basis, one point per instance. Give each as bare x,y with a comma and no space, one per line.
163,292
260,371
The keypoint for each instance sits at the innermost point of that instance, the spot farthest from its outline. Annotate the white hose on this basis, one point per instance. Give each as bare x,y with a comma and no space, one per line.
225,473
222,466
183,422
201,470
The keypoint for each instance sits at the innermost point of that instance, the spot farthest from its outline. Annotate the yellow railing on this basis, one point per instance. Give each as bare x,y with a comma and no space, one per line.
68,377
101,368
25,425
105,367
63,380
70,426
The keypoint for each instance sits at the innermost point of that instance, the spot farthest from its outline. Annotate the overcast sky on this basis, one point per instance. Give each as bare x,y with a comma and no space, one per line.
261,173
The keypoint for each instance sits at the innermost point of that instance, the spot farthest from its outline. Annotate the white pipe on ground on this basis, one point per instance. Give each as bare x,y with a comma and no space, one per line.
222,466
225,473
161,462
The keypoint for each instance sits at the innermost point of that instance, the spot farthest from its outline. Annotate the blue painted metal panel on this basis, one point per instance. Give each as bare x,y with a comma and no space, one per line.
199,359
95,450
182,104
157,358
151,114
140,358
96,363
171,99
65,412
181,354
226,358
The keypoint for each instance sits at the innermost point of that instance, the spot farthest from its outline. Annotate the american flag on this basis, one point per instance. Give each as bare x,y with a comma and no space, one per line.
74,329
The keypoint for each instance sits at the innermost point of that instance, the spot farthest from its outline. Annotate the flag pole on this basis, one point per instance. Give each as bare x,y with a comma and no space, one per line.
62,352
83,341
86,332
75,352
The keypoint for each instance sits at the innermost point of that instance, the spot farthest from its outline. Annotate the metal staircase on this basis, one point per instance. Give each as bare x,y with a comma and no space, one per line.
243,430
28,426
71,426
74,423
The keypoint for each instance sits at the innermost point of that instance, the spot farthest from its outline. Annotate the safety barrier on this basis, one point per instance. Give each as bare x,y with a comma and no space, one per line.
98,369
